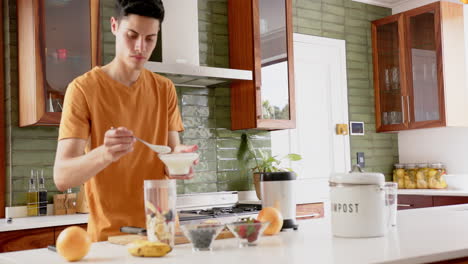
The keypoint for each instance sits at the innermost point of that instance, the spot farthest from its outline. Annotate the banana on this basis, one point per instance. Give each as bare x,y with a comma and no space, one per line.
144,248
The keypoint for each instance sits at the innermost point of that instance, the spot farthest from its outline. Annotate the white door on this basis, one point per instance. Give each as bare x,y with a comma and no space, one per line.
321,103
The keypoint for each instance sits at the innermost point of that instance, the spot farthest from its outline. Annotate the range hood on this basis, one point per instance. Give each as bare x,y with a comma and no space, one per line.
180,50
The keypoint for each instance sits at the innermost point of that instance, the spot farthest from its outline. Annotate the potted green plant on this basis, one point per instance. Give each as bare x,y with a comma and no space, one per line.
264,162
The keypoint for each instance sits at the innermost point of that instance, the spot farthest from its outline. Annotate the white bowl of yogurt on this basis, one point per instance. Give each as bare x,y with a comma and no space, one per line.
179,164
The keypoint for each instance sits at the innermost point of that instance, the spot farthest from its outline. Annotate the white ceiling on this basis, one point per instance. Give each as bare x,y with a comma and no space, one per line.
398,6
384,3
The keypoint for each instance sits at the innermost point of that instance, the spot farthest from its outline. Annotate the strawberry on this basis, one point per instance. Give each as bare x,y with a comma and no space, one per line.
252,237
250,230
242,232
257,228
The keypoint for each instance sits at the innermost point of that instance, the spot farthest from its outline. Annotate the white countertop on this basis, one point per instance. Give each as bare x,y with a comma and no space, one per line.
422,235
42,221
59,220
435,192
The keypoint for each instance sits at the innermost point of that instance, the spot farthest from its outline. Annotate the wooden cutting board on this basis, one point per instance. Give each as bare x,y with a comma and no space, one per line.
179,238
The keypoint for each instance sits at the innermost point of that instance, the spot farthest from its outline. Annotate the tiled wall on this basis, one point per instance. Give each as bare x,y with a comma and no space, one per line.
26,148
206,112
349,20
206,115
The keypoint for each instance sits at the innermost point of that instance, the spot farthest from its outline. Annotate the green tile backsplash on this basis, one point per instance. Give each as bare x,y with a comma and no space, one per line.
349,20
206,112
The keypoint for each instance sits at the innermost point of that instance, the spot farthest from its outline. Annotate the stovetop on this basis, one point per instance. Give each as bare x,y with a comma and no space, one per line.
221,213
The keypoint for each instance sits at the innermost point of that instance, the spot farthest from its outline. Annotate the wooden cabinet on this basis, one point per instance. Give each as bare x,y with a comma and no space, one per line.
449,200
260,40
420,201
58,41
26,239
414,201
308,211
31,238
419,68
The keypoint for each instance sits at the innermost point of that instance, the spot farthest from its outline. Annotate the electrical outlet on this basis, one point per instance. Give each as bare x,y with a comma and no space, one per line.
361,161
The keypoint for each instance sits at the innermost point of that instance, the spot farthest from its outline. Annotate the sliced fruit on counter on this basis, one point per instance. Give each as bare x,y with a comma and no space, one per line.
274,216
247,230
250,232
73,243
144,248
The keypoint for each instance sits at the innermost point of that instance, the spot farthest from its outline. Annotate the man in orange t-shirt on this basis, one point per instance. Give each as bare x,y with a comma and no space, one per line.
125,96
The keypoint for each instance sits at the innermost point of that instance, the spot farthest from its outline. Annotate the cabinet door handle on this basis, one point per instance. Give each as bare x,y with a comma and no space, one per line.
405,205
408,107
403,108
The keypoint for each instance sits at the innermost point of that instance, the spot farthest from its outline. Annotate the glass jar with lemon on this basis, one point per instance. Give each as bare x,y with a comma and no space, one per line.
410,176
399,175
436,176
421,176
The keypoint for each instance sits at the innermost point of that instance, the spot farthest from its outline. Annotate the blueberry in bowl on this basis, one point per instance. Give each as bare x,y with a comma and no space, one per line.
201,235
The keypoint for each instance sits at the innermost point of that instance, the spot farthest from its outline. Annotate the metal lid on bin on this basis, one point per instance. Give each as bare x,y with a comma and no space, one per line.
358,178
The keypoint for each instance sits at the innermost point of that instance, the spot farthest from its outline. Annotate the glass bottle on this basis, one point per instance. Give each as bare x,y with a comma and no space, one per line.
32,197
42,194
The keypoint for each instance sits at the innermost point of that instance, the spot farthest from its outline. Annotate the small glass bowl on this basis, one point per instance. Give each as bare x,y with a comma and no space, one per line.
201,235
248,234
178,164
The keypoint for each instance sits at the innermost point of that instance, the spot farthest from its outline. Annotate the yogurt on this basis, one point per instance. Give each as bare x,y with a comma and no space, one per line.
178,163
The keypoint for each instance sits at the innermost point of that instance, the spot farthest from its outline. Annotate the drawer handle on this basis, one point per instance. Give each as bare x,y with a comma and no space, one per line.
405,205
309,215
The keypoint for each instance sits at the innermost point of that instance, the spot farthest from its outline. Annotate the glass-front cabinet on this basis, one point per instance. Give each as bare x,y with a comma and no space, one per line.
260,37
58,41
426,87
415,80
390,88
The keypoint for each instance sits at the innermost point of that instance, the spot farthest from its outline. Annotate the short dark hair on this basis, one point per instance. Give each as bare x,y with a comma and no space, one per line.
147,8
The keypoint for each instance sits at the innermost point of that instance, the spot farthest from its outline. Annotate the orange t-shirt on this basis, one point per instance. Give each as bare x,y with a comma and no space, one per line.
94,102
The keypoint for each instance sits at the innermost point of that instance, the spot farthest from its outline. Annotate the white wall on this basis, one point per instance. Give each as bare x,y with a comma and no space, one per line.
447,145
465,14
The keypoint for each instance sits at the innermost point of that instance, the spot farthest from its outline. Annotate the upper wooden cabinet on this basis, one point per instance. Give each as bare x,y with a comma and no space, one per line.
419,68
260,40
57,41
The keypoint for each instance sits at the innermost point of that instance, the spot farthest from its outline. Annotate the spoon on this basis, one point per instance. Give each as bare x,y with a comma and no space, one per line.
156,148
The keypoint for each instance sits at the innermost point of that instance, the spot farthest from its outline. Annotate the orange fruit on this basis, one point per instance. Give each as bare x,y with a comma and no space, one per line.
272,215
464,1
73,243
